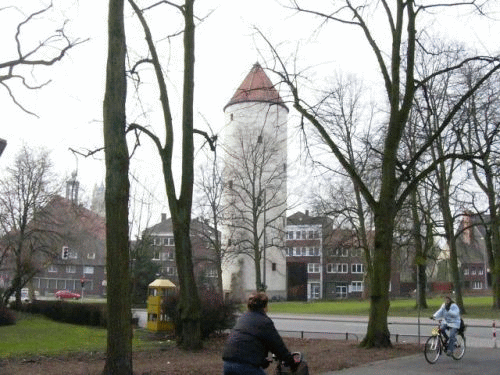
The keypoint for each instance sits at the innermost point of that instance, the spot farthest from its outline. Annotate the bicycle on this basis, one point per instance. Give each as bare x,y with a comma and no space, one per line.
281,368
436,344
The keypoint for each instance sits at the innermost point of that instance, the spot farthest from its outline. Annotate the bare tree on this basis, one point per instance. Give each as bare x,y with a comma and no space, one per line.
212,210
347,115
400,83
29,186
256,176
481,136
18,63
189,334
119,340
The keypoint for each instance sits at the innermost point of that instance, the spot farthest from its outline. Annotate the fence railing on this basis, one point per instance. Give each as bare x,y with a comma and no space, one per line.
395,337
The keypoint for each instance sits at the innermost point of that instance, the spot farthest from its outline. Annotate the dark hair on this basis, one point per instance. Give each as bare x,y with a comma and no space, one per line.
257,301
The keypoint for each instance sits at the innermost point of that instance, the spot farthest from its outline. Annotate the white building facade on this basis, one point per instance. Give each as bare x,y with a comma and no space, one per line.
254,141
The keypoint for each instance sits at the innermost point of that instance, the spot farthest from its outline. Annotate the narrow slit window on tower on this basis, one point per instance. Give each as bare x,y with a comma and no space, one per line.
231,117
259,139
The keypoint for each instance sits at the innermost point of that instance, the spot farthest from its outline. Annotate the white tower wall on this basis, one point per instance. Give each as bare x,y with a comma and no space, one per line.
257,132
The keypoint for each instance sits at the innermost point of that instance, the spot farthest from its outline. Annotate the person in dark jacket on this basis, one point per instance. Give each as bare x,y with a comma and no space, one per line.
252,338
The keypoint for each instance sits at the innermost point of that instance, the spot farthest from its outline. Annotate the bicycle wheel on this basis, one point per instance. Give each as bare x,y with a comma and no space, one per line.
432,349
459,350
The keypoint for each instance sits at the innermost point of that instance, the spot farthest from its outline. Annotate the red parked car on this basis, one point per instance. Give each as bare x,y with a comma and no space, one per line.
61,294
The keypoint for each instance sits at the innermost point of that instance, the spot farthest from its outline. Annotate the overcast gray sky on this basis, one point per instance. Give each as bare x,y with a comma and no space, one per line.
69,109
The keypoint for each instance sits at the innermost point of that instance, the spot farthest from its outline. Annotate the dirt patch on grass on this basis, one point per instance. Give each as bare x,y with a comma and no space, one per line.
321,355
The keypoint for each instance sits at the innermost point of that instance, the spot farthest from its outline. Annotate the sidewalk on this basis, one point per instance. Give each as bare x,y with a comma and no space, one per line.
484,361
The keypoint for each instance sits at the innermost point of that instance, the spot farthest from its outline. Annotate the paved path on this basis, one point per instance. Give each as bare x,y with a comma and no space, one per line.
481,361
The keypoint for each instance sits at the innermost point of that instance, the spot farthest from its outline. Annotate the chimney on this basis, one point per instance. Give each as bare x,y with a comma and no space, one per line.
307,212
163,217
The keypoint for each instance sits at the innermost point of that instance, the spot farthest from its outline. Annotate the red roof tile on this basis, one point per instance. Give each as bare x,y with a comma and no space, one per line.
256,87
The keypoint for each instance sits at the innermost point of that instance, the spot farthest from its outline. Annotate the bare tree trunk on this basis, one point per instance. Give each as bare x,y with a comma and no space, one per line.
119,347
189,302
378,334
420,256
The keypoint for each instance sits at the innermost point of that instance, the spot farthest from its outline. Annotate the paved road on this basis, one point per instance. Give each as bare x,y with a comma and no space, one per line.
478,333
482,361
480,357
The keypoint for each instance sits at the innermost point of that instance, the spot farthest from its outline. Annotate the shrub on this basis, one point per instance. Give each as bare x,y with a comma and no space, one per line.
7,318
216,314
89,314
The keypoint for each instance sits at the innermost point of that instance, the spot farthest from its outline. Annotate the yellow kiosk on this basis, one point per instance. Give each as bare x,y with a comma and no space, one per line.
158,290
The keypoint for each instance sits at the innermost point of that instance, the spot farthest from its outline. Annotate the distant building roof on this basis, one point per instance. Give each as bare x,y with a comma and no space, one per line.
471,245
300,218
256,87
165,226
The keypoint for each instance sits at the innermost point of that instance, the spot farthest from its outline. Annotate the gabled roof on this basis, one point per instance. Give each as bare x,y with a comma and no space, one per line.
165,226
471,245
256,87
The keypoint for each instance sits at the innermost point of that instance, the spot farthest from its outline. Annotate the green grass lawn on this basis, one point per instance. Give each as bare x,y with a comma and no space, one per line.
37,335
476,307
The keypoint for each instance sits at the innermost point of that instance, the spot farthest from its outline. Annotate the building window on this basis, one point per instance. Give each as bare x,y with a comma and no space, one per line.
313,268
357,286
289,235
171,241
311,235
466,271
477,285
72,254
357,268
297,235
70,269
170,271
211,272
472,271
304,235
296,251
156,255
304,251
89,270
480,271
52,268
90,255
273,266
337,268
357,253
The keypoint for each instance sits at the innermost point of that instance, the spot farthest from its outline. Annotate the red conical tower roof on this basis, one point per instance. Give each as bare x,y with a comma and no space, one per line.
256,87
